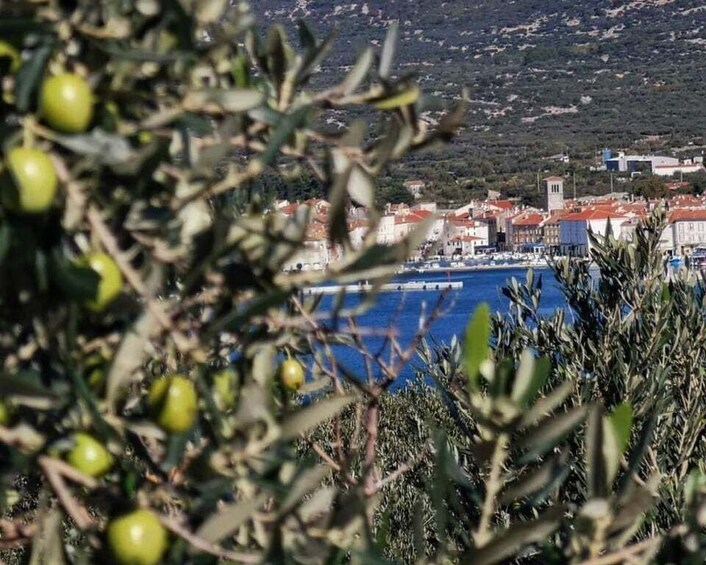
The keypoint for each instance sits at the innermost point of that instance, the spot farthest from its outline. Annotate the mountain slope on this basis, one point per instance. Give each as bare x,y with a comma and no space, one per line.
545,75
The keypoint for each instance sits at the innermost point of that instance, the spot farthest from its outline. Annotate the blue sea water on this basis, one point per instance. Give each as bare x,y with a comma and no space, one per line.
403,309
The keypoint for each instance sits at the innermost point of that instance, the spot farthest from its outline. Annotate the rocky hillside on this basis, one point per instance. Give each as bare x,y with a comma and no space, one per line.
545,75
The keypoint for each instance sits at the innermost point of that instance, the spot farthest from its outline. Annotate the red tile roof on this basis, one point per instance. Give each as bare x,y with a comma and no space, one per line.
591,214
687,215
412,217
528,220
502,204
462,222
465,238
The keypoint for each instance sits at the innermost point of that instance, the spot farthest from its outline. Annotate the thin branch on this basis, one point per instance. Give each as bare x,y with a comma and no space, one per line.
78,512
110,243
492,485
204,545
397,473
14,534
325,456
625,554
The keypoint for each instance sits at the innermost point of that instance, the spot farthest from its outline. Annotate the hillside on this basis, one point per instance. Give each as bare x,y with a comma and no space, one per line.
546,76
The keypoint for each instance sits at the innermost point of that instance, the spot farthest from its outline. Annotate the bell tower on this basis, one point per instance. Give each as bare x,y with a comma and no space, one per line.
553,193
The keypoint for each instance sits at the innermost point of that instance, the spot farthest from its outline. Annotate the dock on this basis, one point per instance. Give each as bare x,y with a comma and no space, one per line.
410,286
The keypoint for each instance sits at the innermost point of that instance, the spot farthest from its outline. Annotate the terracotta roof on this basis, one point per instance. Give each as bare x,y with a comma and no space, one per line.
591,214
528,220
289,209
316,231
555,218
462,222
554,178
465,238
502,204
411,218
687,215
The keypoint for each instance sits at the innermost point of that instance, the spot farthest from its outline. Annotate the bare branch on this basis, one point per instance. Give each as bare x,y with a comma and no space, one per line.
78,512
199,543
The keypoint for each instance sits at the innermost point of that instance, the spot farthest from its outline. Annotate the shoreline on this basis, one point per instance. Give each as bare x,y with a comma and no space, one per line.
471,268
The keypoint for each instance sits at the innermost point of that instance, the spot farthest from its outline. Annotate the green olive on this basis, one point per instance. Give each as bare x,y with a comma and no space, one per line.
29,182
89,456
4,414
137,538
8,51
66,103
110,282
224,388
174,403
291,374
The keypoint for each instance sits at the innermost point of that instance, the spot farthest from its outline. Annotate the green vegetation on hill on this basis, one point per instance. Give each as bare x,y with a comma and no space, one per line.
544,77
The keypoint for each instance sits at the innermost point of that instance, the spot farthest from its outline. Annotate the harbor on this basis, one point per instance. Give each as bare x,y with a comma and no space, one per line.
407,286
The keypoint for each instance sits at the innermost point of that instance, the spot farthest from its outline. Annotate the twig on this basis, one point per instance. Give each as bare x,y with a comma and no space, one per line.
625,554
397,473
110,243
493,485
15,535
325,456
371,429
66,470
204,545
78,513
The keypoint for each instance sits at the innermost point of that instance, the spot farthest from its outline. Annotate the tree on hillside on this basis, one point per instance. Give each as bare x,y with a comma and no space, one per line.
395,193
649,187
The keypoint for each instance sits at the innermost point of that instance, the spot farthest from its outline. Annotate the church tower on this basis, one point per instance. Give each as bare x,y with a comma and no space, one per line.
553,193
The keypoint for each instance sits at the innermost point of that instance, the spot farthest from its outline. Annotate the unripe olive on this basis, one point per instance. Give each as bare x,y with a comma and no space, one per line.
174,403
137,538
291,374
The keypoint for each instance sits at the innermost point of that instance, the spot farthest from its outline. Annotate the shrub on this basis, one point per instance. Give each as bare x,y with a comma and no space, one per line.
159,172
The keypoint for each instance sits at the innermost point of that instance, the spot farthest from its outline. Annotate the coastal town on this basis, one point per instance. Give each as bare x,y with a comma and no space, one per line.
496,226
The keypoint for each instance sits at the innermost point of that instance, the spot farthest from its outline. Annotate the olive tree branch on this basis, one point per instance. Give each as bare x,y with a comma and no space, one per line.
54,471
204,545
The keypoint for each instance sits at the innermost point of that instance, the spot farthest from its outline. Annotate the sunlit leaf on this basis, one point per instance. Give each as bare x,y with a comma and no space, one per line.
388,51
476,344
510,542
358,73
312,415
530,378
549,433
228,519
552,472
392,102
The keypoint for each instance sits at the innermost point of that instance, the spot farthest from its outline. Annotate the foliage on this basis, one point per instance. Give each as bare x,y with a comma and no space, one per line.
585,454
192,108
395,193
632,86
649,187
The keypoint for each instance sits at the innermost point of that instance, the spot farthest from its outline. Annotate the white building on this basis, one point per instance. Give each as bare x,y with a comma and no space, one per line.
415,187
681,168
688,230
631,163
461,246
463,235
386,229
574,228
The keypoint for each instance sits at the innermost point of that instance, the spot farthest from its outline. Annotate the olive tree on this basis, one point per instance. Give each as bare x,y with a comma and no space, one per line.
143,304
576,437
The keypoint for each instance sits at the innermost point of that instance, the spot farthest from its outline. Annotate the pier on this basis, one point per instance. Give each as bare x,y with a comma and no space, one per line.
409,286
